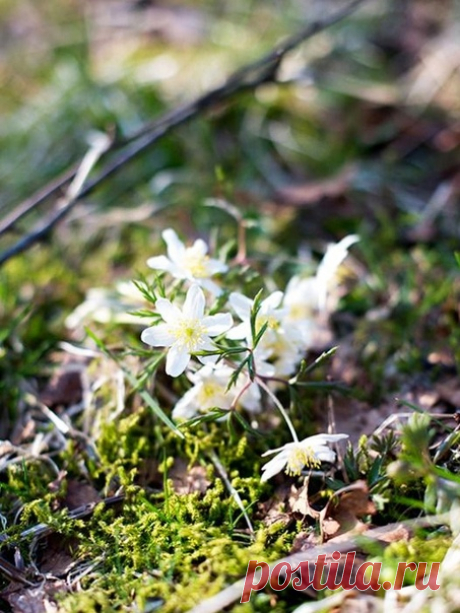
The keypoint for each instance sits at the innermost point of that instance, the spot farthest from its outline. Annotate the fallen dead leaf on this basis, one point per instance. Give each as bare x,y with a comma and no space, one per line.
342,513
188,480
299,501
56,558
34,600
449,391
275,509
64,388
312,192
80,494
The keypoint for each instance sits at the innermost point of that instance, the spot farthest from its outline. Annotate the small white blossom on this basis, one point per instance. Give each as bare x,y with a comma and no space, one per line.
186,331
190,263
295,456
305,296
269,313
109,306
334,256
282,343
210,391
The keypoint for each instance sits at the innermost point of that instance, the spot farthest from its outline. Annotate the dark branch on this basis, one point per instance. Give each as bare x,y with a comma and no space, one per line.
249,77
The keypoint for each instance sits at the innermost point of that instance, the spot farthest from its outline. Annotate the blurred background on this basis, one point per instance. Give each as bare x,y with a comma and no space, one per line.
360,133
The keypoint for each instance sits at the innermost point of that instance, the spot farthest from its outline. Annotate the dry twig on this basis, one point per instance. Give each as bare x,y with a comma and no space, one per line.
249,77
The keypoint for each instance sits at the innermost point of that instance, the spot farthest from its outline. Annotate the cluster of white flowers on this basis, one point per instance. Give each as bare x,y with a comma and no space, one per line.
272,336
277,331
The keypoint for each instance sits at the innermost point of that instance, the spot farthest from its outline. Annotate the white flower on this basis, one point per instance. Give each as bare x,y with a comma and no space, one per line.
305,296
186,332
334,256
268,313
210,390
282,343
295,456
109,305
190,263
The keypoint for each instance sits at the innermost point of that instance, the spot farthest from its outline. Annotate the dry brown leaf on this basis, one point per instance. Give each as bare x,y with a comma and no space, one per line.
188,480
80,494
275,509
34,600
64,388
299,501
56,559
305,541
343,511
314,191
449,391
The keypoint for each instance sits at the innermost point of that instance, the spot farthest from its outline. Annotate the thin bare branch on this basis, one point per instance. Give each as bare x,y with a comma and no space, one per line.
263,70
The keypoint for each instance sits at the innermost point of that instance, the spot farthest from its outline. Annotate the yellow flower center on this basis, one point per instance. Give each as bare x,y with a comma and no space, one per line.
299,311
300,457
272,323
189,334
196,263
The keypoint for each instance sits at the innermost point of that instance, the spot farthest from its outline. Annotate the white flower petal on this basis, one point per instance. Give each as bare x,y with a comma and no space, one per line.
320,439
273,467
187,406
161,262
334,256
241,305
157,336
176,360
284,449
175,246
194,303
271,302
216,266
324,454
208,359
200,246
239,332
217,324
169,312
210,286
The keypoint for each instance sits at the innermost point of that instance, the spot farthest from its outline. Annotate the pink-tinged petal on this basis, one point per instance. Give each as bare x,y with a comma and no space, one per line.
169,312
175,246
158,336
241,305
176,361
200,246
271,302
217,324
239,332
194,303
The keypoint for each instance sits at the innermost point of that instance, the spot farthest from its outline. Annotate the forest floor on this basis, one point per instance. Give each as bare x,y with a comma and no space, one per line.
125,486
